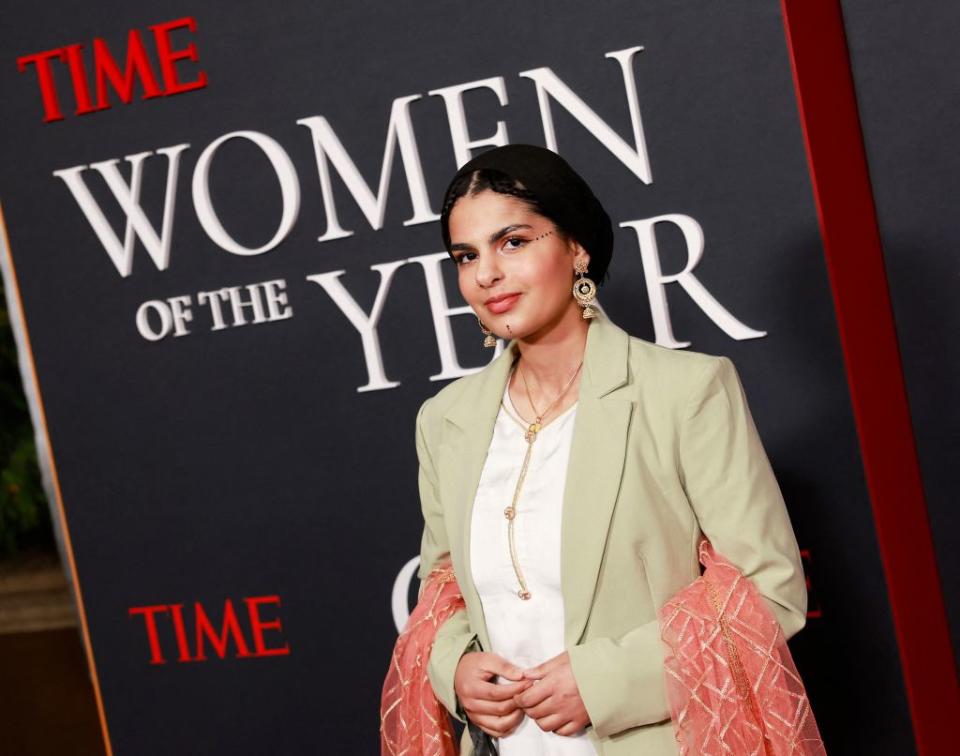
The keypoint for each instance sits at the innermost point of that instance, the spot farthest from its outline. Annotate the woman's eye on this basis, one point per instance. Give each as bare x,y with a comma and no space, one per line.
520,241
460,260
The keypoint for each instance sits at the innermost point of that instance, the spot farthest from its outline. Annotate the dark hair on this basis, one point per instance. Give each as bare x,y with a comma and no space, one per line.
474,182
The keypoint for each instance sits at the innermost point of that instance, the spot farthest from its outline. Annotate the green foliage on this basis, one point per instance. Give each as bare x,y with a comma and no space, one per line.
24,515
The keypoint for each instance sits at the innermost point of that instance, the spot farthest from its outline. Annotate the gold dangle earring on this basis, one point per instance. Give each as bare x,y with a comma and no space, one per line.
584,290
489,340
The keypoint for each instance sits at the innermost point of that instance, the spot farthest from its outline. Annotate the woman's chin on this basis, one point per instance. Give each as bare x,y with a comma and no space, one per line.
506,326
513,329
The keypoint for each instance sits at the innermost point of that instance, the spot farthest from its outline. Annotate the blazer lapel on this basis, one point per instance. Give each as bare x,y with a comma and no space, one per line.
594,470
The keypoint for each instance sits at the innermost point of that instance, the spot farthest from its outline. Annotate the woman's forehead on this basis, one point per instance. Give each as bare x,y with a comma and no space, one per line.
474,217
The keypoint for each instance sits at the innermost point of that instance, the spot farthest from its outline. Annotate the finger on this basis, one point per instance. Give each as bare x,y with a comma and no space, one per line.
541,669
534,695
570,728
491,708
500,666
489,691
543,709
503,691
513,721
493,725
551,722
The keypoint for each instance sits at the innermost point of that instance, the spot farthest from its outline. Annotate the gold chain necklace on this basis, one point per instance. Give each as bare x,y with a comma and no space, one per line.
530,434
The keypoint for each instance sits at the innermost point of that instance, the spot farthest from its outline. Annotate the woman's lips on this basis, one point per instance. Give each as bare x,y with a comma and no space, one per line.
503,305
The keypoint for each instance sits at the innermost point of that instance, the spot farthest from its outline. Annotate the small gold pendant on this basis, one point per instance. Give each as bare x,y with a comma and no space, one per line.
525,595
509,513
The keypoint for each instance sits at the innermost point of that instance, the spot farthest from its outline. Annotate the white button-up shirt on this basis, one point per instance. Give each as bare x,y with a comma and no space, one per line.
525,633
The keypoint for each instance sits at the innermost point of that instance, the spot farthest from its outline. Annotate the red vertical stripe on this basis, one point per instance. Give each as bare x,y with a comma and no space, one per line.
851,239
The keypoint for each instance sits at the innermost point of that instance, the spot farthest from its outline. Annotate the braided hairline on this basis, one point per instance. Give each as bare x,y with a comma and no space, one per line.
497,181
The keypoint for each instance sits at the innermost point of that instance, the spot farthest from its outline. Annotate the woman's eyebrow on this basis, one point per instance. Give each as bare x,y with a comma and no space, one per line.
493,237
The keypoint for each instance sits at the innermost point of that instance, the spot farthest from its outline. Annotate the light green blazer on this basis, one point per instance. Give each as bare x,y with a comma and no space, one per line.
664,448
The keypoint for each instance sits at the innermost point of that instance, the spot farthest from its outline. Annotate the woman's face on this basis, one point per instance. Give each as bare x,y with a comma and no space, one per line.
505,251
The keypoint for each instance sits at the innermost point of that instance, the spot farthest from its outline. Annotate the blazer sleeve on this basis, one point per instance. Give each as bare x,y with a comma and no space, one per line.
738,504
735,495
454,637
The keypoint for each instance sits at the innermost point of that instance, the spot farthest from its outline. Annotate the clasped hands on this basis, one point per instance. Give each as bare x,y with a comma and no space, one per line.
547,693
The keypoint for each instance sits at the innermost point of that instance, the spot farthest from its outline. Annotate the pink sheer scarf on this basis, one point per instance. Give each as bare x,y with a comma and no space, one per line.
731,682
412,719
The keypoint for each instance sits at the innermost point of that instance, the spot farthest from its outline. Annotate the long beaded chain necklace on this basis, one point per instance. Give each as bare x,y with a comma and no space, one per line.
530,434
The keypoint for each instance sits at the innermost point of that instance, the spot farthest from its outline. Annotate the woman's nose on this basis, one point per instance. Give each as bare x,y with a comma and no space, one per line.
488,270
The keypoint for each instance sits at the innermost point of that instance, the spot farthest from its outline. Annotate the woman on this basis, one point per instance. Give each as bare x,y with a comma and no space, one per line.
571,480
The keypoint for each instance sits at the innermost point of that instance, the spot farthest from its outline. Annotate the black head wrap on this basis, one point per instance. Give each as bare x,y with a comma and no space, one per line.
560,190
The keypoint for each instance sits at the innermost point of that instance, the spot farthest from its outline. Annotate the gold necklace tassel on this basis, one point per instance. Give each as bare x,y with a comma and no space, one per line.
530,431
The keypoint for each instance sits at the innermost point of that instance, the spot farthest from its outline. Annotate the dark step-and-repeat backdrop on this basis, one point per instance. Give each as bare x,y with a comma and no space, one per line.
222,252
